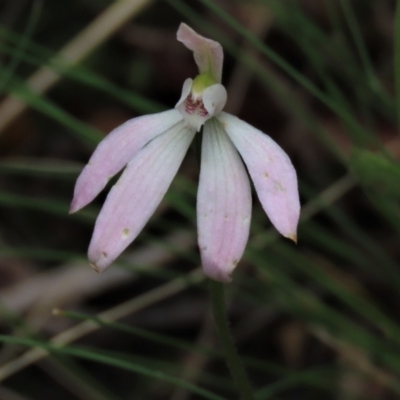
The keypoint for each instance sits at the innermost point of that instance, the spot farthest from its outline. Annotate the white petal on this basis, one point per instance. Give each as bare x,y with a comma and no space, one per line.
214,99
208,53
272,172
116,150
136,195
223,204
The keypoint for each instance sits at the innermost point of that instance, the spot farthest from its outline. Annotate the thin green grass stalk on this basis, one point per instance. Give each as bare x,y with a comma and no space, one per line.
297,24
324,377
43,254
49,206
117,312
336,93
334,47
311,310
372,80
334,17
372,248
40,168
388,208
334,245
112,361
359,42
333,89
364,307
142,333
87,134
259,365
22,44
354,252
82,379
307,35
88,386
93,35
173,369
232,358
91,79
397,58
388,268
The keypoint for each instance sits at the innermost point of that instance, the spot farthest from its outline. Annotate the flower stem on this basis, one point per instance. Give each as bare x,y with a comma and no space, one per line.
232,358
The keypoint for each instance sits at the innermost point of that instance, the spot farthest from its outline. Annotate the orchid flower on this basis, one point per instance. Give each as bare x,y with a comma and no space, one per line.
152,147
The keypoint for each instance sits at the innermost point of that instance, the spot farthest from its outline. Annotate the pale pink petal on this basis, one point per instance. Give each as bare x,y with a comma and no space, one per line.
136,195
116,150
272,172
214,99
223,204
208,54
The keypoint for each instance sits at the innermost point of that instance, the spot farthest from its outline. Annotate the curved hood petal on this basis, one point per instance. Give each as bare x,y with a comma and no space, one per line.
208,53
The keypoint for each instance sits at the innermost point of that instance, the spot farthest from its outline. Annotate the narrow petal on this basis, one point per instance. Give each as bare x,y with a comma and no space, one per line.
116,150
223,204
272,172
208,54
136,195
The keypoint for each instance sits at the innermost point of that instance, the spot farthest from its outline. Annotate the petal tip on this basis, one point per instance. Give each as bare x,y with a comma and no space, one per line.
95,267
73,207
217,273
181,30
292,236
99,262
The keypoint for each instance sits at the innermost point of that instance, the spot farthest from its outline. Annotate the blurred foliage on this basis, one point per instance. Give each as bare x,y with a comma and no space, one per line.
316,320
377,172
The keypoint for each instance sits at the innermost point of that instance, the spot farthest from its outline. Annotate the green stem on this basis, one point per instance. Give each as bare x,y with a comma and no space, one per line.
397,57
232,358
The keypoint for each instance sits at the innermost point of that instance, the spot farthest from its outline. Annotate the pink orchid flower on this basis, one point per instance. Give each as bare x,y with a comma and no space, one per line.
152,147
